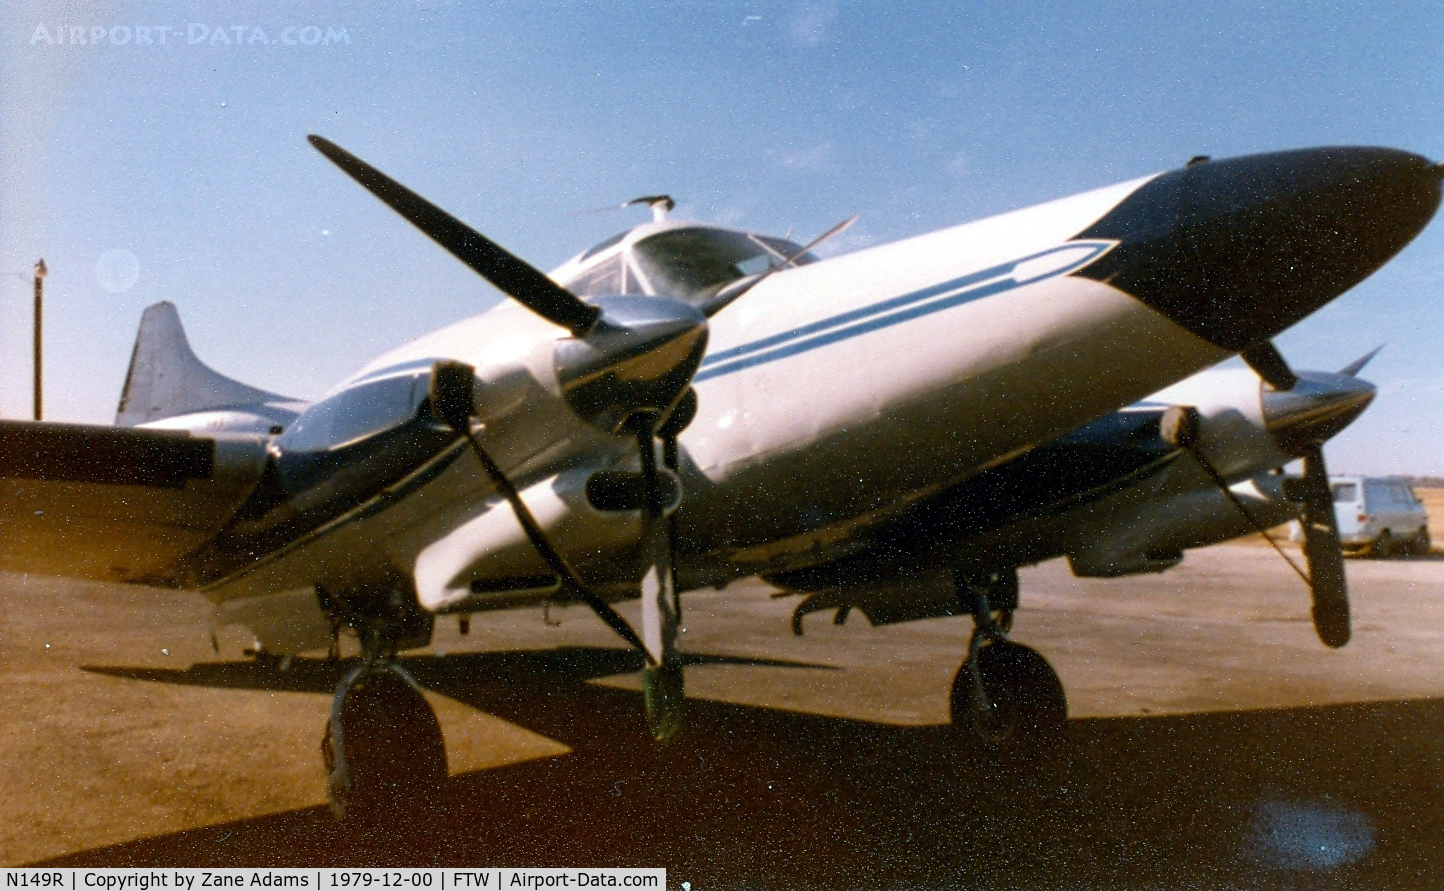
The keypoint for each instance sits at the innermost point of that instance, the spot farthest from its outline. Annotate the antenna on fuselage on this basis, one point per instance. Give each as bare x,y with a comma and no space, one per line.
660,204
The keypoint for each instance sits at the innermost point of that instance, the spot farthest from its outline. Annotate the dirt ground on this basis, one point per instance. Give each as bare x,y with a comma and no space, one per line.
1433,500
1214,742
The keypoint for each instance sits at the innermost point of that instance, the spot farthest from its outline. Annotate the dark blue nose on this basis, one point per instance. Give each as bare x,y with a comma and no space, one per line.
1238,250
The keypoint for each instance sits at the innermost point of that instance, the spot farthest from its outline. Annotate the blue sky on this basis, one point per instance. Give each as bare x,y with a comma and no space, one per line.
777,116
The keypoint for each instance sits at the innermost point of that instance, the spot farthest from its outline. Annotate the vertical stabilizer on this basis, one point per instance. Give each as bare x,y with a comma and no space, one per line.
166,379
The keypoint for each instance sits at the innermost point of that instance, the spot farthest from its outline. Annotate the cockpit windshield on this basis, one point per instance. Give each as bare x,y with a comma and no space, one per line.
688,262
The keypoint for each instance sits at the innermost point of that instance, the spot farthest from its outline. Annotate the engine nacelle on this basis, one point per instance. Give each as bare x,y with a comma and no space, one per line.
1232,431
489,563
1152,536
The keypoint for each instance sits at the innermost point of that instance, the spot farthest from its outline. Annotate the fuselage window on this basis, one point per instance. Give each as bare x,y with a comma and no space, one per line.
357,412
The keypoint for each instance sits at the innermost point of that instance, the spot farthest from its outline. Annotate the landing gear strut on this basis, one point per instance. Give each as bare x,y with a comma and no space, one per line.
382,746
1005,693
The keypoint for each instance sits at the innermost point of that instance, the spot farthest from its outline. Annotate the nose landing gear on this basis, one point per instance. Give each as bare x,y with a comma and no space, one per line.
382,748
1005,694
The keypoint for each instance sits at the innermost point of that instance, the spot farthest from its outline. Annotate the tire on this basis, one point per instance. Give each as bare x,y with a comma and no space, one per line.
1030,709
1384,545
1420,545
395,757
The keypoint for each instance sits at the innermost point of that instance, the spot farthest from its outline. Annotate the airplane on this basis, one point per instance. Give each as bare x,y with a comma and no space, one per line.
685,405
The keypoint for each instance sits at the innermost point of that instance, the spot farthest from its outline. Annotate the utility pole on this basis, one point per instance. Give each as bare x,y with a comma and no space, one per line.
40,271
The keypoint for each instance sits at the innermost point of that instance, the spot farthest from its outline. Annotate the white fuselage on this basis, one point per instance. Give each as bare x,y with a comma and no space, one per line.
831,395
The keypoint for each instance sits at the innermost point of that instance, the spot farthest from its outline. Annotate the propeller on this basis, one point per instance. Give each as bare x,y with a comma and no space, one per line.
662,695
512,276
1301,417
627,366
1301,412
1323,552
1266,359
1356,366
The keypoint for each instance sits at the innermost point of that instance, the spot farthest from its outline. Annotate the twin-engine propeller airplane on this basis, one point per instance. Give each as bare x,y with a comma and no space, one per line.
684,405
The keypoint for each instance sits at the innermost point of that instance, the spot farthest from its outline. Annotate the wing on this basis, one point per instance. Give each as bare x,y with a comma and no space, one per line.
116,504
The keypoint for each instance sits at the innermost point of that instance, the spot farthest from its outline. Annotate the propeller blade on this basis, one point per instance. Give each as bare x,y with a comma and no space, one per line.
662,687
1270,365
511,275
1356,366
1323,552
658,590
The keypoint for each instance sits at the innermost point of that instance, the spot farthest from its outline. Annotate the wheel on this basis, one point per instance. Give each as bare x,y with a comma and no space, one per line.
1420,545
395,760
1028,707
1384,545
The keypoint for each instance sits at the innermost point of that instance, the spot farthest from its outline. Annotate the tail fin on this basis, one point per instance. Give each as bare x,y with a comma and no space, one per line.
166,379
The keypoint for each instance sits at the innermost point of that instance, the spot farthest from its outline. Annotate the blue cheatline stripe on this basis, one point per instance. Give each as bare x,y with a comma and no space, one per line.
875,324
861,313
886,313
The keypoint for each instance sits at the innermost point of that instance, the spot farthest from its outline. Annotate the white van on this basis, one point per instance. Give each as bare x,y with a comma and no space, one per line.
1379,514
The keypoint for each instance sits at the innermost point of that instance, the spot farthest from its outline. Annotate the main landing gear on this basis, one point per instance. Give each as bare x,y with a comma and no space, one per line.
1005,694
382,747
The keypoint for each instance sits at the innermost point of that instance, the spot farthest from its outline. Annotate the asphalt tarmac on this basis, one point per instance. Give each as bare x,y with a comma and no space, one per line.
1214,742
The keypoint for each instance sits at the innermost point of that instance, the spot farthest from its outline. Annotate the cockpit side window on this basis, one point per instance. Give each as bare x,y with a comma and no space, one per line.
357,412
694,261
606,277
598,248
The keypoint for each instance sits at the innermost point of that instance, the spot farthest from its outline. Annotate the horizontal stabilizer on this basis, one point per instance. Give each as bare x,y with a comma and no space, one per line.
166,379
